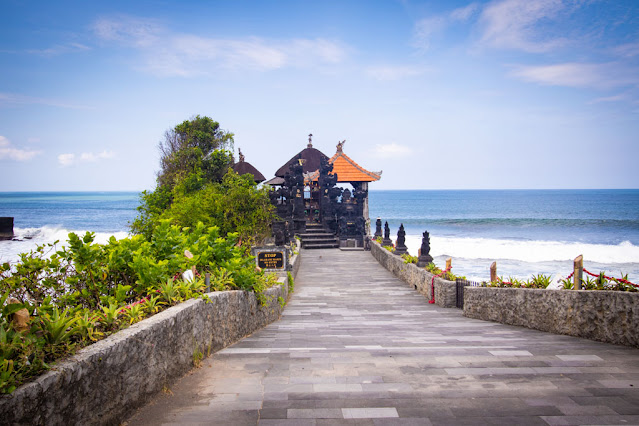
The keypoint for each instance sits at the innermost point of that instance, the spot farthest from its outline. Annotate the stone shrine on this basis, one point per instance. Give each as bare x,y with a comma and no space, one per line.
400,245
387,241
424,252
378,228
311,205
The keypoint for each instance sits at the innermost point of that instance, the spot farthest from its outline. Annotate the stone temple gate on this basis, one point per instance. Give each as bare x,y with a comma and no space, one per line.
311,205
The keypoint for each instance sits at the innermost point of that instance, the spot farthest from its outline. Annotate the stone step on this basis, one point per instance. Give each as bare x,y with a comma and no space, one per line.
312,246
318,235
316,231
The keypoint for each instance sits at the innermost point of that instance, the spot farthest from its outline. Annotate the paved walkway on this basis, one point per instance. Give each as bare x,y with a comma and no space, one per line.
357,346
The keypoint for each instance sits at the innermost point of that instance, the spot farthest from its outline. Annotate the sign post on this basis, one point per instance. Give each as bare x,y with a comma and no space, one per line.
271,259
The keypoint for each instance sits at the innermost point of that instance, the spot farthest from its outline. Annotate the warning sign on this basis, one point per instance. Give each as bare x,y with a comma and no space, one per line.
270,259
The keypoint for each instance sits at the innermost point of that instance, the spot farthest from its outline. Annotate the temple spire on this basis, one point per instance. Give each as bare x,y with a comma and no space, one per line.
310,141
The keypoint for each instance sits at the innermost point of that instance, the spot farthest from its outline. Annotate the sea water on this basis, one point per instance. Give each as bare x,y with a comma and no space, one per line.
47,217
526,232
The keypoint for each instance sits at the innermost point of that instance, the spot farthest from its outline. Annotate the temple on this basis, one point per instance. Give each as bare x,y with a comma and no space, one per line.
243,167
311,205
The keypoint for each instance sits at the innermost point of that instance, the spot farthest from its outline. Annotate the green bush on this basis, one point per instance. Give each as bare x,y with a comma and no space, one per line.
408,258
85,291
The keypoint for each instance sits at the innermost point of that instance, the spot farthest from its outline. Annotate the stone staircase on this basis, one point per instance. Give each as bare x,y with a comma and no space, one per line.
318,237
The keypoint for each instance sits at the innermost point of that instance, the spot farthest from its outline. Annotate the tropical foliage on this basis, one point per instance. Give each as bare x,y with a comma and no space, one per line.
196,184
85,291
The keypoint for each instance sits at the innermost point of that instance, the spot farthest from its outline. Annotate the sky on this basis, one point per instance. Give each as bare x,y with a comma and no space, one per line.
436,94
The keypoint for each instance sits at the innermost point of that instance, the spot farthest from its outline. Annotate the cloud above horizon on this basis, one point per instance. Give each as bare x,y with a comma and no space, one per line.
70,159
7,150
523,24
60,49
395,72
168,54
391,150
580,75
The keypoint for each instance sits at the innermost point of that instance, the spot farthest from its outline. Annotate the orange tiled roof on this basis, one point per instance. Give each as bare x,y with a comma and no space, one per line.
347,170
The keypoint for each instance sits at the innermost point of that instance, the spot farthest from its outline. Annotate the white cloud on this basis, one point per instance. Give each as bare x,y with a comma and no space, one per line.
66,159
614,98
464,13
514,24
172,54
426,29
391,150
60,49
629,50
580,75
70,159
391,72
13,153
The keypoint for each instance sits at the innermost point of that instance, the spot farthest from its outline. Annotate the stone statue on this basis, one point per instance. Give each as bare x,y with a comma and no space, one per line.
378,228
424,257
400,246
386,241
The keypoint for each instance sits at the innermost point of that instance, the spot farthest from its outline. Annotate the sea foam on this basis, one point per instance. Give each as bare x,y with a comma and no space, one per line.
27,239
527,251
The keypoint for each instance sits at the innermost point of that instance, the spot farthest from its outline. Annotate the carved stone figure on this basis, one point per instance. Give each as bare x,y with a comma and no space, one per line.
424,257
400,246
386,241
378,228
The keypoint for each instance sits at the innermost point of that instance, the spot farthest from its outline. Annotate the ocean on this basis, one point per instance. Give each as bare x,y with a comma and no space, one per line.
525,231
44,217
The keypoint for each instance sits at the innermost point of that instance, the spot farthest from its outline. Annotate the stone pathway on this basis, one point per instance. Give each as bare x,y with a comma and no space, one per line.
358,346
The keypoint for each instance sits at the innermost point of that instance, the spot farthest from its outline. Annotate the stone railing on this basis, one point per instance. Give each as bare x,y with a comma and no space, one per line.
418,278
103,383
606,316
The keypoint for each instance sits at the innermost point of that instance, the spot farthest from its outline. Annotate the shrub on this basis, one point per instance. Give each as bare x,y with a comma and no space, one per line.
85,291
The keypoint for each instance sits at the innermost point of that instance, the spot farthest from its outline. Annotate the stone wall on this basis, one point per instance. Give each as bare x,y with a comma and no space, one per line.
105,382
418,278
606,316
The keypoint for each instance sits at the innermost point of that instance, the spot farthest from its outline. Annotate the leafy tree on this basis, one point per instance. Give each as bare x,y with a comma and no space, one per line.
196,145
196,184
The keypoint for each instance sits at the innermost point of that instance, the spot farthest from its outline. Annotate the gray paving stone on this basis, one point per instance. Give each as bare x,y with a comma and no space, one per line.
355,341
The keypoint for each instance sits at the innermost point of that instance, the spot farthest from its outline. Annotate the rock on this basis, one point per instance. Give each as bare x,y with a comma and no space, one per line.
6,228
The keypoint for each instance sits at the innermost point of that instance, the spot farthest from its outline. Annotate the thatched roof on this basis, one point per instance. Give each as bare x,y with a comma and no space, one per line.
311,157
242,167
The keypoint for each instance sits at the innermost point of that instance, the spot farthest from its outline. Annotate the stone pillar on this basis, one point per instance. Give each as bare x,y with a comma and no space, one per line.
6,228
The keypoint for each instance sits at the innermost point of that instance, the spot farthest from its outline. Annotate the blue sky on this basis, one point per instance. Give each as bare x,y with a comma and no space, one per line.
437,94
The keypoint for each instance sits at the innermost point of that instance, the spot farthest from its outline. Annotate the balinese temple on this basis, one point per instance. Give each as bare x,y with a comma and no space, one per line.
242,167
310,204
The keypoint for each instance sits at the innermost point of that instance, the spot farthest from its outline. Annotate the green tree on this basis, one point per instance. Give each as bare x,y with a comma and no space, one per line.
195,146
196,184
